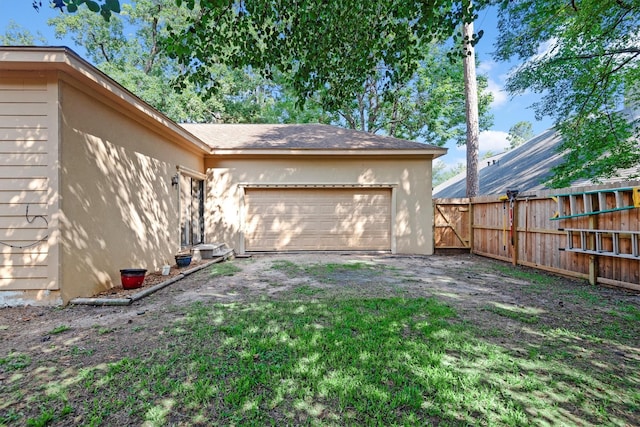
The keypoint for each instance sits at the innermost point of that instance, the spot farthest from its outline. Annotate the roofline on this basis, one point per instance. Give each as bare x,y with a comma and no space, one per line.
64,59
429,153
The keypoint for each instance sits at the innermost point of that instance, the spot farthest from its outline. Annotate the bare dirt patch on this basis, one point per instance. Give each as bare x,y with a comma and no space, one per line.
510,308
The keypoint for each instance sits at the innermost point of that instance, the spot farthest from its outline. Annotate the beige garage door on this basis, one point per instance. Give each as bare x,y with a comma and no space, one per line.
313,219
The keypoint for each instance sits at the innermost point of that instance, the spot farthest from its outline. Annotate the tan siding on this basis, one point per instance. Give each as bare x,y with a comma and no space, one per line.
35,184
318,219
22,81
24,159
21,122
21,108
24,136
35,171
24,182
9,146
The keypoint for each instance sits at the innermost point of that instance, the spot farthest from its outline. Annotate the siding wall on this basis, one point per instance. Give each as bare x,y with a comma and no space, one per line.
28,152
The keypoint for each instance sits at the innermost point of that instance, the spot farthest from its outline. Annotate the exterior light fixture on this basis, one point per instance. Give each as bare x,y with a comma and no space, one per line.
174,180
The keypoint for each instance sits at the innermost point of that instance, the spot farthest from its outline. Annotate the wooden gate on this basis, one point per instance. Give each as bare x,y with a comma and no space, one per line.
452,227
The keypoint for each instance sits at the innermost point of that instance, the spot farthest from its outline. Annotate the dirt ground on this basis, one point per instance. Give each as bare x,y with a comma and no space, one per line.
466,282
470,284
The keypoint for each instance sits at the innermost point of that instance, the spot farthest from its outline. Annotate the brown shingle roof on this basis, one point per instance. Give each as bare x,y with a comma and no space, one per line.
298,137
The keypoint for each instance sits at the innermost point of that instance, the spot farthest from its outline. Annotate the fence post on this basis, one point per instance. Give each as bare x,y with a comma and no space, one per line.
514,233
593,259
470,226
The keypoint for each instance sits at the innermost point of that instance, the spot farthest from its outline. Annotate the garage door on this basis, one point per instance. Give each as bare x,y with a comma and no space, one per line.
314,219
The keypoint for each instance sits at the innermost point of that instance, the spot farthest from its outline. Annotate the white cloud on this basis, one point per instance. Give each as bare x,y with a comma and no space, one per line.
493,140
495,87
499,95
485,67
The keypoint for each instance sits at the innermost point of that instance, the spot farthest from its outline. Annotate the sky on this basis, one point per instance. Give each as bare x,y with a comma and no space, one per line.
507,111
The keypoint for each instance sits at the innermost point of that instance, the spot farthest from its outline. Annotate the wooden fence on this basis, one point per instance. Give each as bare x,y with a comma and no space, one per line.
587,232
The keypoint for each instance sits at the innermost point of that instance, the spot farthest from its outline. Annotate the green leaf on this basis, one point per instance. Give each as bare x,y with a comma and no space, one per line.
93,6
113,5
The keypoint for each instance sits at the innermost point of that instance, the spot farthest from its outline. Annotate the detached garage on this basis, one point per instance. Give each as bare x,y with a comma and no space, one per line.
316,188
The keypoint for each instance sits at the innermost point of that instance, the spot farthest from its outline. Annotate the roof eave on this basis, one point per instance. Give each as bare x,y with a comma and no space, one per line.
425,153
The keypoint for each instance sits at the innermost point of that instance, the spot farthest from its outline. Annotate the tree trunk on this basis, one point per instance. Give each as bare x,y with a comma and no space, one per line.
471,105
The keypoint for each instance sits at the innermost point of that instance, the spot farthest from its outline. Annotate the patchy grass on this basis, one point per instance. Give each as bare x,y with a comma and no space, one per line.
223,269
532,276
337,362
329,272
333,351
59,329
15,361
516,313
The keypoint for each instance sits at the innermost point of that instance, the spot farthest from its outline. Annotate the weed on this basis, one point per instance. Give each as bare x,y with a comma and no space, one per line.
10,417
46,416
587,296
306,290
15,361
59,329
81,351
287,267
101,330
629,312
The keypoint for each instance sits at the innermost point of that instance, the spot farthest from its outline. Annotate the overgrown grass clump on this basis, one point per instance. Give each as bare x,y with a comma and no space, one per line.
223,269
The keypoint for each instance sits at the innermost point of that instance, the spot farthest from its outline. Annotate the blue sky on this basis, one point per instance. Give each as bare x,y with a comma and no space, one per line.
506,111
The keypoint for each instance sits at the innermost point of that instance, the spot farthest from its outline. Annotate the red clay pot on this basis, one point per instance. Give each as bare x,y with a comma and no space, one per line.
132,277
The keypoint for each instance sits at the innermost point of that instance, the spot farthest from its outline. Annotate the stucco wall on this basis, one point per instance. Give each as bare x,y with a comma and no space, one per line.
118,207
410,176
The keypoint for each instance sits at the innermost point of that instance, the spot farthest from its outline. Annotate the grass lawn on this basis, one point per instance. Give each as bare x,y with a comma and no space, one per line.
315,359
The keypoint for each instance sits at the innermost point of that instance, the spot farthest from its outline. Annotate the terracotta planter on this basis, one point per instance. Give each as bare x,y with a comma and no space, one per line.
132,277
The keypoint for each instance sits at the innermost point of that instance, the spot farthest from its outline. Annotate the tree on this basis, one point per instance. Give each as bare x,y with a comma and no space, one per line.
104,7
519,133
140,64
471,105
442,174
430,106
15,35
584,58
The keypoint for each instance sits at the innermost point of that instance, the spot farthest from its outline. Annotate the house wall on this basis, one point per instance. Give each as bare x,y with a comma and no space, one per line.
411,178
118,207
28,188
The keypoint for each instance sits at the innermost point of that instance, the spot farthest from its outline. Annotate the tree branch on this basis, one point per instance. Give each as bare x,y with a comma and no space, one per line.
633,50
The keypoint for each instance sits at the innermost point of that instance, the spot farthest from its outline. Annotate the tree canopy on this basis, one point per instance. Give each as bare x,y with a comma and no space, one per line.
327,49
18,36
412,91
127,47
583,57
430,106
519,133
